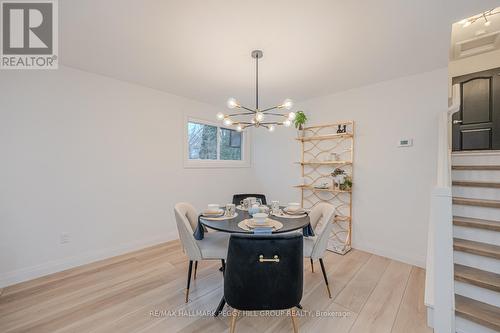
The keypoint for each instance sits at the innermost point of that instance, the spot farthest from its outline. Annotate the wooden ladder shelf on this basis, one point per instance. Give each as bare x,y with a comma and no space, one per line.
324,149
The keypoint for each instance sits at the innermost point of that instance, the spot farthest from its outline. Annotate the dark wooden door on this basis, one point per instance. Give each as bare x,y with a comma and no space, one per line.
477,125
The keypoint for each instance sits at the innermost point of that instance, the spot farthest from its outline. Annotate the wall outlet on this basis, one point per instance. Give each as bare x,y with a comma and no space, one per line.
64,238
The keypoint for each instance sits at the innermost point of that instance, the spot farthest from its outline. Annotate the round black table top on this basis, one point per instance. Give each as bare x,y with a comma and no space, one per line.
231,225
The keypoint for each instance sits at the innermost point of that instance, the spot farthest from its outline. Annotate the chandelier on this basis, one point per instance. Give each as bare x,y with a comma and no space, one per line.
268,118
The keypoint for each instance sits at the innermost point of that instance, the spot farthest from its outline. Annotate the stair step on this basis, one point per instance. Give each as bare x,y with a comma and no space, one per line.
478,312
476,202
476,167
476,223
477,277
475,184
482,249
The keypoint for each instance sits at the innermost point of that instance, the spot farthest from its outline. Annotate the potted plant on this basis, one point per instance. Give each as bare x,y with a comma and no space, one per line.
339,177
347,185
300,120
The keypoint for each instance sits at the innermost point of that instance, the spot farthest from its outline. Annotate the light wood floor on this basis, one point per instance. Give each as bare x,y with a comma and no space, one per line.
134,292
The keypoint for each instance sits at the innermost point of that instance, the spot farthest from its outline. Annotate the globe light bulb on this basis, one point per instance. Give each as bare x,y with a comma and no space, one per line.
287,123
287,104
232,103
239,128
228,122
291,116
463,21
272,128
487,23
259,116
220,116
466,24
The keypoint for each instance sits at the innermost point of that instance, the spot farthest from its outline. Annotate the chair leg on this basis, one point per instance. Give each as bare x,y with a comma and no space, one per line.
190,269
223,262
324,275
223,267
233,321
220,307
195,269
312,265
294,322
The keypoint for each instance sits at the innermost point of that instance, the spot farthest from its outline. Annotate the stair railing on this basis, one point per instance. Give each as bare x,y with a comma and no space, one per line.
439,279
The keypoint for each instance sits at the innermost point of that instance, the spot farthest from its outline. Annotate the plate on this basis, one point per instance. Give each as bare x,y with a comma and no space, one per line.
276,225
300,211
220,212
252,224
289,216
219,218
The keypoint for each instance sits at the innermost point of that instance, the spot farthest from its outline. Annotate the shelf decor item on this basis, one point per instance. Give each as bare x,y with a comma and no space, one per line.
339,176
300,120
327,157
256,117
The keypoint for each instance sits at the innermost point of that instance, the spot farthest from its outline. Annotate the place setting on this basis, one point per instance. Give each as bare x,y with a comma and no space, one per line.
260,223
292,210
214,212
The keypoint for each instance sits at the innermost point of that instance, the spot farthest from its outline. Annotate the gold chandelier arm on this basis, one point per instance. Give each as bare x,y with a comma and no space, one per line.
240,114
277,114
248,109
269,109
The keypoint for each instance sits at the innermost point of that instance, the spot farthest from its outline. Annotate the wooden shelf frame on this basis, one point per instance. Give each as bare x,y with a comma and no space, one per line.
324,137
337,163
320,140
312,188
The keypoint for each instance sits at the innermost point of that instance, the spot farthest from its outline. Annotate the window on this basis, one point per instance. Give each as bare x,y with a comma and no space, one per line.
210,145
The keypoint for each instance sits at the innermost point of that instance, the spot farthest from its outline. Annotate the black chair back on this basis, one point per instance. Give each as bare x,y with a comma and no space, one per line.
264,272
238,197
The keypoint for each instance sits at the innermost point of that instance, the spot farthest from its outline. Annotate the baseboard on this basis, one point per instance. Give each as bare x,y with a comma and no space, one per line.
430,316
29,273
419,262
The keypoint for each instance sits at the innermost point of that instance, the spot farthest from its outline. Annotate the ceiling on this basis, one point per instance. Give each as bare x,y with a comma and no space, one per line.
201,49
476,38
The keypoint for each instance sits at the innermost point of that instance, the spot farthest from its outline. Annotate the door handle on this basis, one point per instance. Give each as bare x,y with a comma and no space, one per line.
456,122
275,259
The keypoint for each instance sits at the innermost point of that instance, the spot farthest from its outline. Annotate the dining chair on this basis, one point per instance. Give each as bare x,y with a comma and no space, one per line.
321,217
264,272
213,246
238,197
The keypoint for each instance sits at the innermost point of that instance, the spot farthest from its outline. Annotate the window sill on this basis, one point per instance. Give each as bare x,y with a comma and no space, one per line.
200,164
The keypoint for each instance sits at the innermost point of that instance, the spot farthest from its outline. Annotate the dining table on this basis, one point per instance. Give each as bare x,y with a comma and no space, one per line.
229,224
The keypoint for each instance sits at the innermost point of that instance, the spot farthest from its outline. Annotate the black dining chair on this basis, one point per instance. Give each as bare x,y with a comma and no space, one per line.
264,272
238,197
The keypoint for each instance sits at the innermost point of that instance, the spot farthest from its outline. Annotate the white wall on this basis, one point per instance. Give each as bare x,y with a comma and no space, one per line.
477,63
391,185
98,158
101,159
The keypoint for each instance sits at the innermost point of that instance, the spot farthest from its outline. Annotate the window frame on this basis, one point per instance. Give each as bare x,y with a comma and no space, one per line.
245,161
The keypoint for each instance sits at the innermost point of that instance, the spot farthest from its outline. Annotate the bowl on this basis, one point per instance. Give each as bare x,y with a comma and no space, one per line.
212,207
260,218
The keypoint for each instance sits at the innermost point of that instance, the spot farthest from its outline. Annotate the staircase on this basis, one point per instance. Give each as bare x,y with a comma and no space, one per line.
476,242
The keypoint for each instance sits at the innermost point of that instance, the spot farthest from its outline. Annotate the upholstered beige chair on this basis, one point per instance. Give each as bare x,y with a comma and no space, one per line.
314,247
212,247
